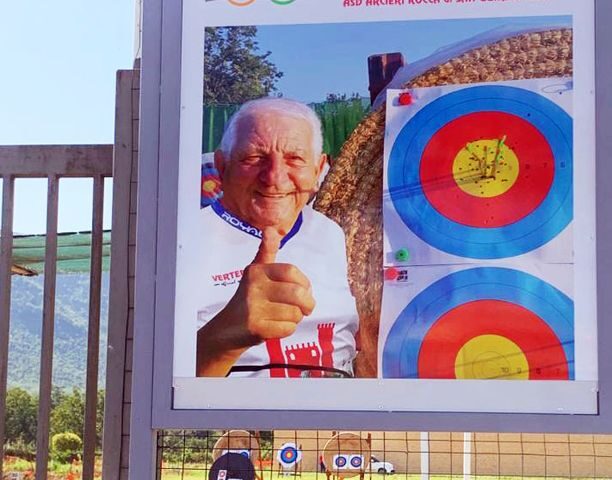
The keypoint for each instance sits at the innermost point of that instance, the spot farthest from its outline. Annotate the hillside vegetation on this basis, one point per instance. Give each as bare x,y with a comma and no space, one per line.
70,343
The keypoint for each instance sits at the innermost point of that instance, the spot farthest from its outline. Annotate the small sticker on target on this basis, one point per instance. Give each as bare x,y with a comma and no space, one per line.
222,475
396,275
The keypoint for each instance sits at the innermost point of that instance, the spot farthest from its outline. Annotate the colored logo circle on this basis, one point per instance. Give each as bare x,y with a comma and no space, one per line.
241,3
483,312
445,196
244,3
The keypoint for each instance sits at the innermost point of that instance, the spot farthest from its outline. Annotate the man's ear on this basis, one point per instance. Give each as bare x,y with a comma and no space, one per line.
320,168
321,164
219,162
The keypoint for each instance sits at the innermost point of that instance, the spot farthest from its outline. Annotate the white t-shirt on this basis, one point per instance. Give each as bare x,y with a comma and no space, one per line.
324,340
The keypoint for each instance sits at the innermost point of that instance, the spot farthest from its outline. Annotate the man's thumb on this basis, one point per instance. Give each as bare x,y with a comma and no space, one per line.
270,243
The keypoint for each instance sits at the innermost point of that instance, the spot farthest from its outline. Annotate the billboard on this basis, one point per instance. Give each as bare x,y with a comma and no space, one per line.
386,206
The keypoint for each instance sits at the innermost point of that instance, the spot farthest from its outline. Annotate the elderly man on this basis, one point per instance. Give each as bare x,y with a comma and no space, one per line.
276,302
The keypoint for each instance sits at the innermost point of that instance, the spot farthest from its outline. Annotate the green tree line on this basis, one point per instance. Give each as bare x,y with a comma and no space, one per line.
67,416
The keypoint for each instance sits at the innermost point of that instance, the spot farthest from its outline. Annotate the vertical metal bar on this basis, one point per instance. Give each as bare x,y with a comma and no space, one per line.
46,355
467,456
6,254
424,455
93,331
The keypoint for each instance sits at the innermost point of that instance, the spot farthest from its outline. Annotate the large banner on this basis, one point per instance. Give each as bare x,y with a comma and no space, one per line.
387,204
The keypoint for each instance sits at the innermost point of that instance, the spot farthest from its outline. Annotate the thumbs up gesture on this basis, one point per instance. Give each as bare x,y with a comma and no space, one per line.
270,302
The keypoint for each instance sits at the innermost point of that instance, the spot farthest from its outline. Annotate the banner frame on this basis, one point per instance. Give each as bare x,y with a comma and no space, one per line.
155,266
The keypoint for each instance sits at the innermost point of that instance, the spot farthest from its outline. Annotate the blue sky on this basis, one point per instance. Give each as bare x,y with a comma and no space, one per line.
57,86
59,60
321,59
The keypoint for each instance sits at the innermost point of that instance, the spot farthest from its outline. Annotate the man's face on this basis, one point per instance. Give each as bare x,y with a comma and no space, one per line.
272,170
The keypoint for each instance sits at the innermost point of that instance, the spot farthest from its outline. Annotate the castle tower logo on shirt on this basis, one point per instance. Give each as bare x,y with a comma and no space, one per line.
314,354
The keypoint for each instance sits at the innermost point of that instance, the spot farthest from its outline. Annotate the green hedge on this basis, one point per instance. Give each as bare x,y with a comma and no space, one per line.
339,119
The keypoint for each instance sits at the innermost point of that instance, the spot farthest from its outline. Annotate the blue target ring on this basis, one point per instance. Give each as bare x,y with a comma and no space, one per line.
340,461
403,344
288,455
540,226
356,461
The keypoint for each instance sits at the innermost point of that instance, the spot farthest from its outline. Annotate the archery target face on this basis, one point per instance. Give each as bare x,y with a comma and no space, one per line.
356,461
341,462
483,323
289,455
484,172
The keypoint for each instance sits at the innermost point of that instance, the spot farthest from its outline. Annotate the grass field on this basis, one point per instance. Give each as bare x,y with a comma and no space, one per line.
193,472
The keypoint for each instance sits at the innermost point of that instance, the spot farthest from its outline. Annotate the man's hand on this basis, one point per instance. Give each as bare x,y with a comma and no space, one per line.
270,302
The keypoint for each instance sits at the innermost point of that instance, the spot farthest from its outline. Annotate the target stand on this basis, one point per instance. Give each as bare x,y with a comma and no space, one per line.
347,455
289,459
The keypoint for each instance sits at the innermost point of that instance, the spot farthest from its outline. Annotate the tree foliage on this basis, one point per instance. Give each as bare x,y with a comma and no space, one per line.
21,413
66,447
67,416
342,97
235,71
68,413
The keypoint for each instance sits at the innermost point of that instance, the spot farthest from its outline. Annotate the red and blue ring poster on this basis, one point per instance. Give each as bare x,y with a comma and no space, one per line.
479,243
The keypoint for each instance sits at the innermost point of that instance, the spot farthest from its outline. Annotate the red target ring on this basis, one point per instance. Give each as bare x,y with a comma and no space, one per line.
536,163
537,341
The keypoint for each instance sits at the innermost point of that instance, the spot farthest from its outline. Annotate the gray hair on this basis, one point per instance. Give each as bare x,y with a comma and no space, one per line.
284,106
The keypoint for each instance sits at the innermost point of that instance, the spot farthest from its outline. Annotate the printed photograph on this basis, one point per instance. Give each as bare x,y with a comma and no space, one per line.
387,200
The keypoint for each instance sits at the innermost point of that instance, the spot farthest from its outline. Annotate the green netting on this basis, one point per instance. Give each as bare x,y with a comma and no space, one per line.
73,252
338,118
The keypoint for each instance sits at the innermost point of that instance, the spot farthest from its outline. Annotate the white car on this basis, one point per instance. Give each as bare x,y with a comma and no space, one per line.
386,468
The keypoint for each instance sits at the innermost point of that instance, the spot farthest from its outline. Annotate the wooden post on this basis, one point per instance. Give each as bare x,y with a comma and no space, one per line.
6,251
116,418
381,70
46,356
93,331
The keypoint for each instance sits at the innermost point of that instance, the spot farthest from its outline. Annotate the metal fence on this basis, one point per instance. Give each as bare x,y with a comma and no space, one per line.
53,163
395,455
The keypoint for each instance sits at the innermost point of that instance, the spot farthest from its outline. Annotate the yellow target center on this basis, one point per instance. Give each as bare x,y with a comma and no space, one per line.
486,168
209,186
491,357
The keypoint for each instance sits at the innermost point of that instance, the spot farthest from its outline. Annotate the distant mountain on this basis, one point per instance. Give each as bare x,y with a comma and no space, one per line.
70,342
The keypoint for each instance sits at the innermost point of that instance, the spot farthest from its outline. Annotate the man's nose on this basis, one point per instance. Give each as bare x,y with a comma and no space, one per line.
274,171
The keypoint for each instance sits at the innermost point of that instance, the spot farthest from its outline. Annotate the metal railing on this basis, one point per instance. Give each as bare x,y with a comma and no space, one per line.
53,163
